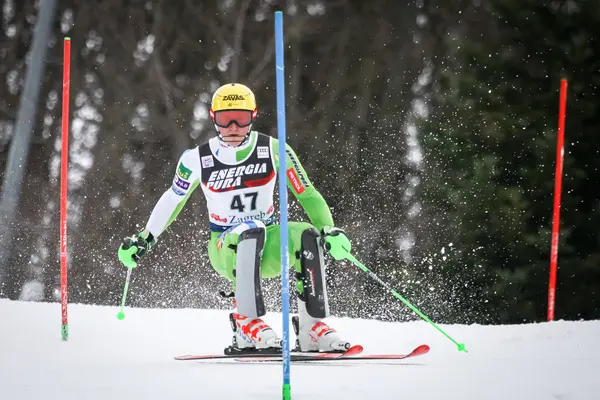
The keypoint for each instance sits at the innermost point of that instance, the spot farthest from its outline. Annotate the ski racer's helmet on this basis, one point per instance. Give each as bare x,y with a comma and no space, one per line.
233,103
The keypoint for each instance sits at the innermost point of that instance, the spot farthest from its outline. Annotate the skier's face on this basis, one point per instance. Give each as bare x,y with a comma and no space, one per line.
233,134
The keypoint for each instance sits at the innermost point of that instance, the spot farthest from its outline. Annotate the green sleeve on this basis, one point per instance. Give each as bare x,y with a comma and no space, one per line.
299,184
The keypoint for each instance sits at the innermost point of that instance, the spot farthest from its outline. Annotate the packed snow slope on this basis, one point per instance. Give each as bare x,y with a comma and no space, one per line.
105,358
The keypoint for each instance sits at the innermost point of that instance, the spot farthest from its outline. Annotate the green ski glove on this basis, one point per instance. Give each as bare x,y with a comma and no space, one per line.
336,242
134,248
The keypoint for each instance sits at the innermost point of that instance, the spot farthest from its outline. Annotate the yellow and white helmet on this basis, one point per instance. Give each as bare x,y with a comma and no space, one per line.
233,103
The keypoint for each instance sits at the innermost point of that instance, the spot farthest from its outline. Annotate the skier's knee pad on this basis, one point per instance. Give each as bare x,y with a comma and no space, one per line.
310,280
248,292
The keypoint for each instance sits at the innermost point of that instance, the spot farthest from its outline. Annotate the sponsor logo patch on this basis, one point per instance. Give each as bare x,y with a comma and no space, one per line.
298,169
218,218
294,180
185,185
177,191
262,152
183,171
233,97
208,162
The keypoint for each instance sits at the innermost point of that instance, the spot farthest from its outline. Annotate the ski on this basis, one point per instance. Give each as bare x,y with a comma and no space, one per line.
270,354
352,354
418,351
352,351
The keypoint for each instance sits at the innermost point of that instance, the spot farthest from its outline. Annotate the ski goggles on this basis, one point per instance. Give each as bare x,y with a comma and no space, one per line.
241,118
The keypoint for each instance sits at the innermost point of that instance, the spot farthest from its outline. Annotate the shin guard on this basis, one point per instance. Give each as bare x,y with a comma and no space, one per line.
310,279
248,292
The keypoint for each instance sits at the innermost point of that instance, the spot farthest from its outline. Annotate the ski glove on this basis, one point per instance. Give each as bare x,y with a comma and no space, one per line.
336,242
134,248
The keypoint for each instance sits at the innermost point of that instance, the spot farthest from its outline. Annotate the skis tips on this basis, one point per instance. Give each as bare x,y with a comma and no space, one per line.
422,349
354,350
185,357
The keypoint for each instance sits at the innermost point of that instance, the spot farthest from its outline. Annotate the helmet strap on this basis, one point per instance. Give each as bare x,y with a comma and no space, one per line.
223,141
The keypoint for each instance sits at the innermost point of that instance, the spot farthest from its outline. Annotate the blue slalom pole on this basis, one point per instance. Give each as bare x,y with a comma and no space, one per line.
283,207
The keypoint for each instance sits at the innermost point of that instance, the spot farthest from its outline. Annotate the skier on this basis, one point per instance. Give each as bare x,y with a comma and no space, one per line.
237,171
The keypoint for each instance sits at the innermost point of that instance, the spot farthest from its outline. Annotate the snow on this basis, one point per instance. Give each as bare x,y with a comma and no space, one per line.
105,358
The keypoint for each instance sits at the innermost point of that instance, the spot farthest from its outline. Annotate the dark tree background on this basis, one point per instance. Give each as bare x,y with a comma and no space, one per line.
429,126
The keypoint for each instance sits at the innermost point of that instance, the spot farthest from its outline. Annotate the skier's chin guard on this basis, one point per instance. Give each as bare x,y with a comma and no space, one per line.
312,275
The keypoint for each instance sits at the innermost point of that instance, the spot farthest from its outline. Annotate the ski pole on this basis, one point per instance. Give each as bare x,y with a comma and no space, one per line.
460,346
121,313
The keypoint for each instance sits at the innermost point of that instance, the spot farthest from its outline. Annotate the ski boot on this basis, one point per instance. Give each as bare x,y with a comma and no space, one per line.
314,335
252,335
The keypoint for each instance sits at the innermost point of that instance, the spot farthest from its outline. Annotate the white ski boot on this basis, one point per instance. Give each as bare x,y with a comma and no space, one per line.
252,334
314,335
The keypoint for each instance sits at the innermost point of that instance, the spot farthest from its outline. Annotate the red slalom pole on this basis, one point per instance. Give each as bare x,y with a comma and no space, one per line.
557,190
64,167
